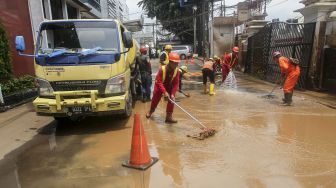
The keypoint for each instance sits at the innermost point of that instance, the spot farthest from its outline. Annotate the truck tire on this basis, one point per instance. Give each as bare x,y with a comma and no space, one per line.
128,106
62,121
183,56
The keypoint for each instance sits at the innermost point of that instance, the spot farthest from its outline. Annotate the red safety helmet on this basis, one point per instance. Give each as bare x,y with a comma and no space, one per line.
174,57
235,49
143,50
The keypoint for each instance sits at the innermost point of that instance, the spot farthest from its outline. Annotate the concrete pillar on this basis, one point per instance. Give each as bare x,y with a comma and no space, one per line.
317,11
64,10
36,15
47,9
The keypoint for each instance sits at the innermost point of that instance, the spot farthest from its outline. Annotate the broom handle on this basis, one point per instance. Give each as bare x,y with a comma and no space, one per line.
276,85
187,113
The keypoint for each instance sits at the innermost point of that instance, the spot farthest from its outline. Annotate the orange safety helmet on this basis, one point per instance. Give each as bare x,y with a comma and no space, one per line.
174,57
143,50
235,49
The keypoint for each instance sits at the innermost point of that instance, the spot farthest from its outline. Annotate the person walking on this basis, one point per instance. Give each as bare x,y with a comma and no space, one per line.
166,83
146,74
229,61
164,57
290,70
208,72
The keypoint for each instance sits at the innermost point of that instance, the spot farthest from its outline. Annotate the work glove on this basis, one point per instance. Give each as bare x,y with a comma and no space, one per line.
172,97
166,96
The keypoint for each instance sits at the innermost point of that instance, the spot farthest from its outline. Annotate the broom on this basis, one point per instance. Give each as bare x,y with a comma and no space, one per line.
206,131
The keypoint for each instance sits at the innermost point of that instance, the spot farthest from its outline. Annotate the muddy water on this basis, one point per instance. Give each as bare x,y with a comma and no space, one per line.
258,144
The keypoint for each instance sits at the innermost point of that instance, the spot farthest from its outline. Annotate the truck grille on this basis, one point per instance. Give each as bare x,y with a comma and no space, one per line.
75,85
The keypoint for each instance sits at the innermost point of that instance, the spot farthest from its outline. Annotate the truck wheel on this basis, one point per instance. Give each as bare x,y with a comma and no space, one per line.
183,57
61,121
128,106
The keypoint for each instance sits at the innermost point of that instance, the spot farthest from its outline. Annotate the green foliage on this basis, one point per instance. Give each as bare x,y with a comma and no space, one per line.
17,84
172,17
5,58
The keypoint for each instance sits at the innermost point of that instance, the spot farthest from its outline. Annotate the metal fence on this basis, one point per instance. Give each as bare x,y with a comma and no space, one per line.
292,40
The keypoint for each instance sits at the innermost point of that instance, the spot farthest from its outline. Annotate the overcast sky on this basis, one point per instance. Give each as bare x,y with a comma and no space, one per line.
282,9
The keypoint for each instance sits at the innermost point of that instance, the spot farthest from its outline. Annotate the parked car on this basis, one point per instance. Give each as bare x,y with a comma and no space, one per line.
183,50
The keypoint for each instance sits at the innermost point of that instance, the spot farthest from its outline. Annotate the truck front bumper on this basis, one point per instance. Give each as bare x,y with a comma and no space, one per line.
64,102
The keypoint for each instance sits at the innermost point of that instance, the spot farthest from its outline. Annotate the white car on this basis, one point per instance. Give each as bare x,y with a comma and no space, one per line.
183,50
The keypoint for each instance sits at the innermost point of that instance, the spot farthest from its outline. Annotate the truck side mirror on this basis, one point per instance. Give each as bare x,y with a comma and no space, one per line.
127,39
117,57
20,43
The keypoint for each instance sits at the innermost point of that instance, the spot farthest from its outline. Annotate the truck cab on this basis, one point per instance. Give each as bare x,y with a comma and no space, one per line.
83,68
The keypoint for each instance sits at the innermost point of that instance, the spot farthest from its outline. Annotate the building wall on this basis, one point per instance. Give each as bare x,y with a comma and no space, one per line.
115,9
223,39
14,15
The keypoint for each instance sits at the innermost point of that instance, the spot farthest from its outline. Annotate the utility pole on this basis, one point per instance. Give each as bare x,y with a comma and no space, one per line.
221,14
224,8
194,11
156,28
203,26
211,39
153,35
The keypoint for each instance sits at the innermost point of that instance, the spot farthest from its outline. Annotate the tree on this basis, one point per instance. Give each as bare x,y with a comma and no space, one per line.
172,17
5,58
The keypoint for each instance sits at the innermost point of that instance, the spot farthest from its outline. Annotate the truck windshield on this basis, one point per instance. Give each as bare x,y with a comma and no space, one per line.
78,37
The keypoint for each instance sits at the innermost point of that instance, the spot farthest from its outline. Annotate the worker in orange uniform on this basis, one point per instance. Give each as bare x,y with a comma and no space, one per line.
166,83
291,72
164,57
229,61
208,72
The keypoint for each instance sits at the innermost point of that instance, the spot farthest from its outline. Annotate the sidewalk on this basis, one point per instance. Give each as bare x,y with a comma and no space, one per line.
326,99
323,98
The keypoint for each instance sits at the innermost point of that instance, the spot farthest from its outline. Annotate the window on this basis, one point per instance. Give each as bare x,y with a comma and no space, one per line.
77,36
72,12
56,9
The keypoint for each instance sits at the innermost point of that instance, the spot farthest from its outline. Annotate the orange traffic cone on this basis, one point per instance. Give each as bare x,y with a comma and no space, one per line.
140,158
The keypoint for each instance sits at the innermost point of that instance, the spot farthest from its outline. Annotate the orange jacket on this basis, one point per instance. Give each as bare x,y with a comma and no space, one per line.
208,65
288,68
292,73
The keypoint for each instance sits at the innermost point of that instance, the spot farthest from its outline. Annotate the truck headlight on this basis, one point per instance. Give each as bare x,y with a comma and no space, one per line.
44,88
116,85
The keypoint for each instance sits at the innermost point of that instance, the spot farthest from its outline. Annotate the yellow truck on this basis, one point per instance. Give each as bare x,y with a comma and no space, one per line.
83,68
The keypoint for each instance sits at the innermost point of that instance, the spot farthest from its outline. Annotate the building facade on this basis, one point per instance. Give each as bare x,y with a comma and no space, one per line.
115,9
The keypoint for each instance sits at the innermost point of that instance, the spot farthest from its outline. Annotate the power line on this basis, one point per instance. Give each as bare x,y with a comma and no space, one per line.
277,4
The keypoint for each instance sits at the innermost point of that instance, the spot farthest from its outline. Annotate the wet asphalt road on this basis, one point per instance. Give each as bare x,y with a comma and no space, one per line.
258,144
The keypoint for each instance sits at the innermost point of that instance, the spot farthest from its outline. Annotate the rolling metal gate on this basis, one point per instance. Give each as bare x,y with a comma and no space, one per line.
292,40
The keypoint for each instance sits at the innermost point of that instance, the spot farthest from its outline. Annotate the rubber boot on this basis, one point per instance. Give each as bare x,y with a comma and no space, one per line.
287,100
284,99
149,114
169,118
205,91
212,89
